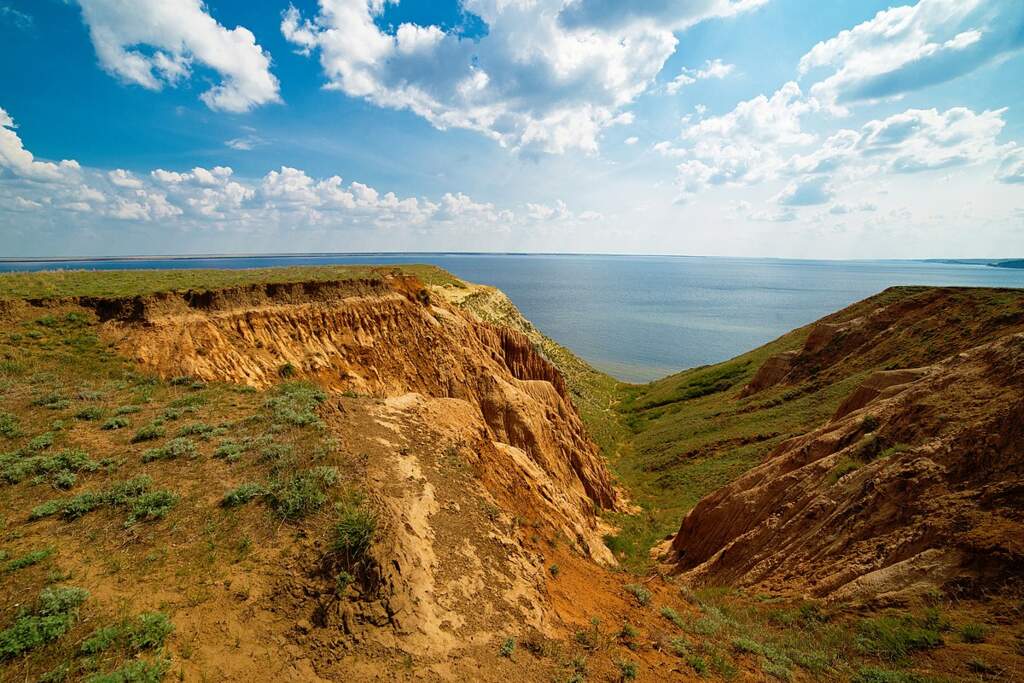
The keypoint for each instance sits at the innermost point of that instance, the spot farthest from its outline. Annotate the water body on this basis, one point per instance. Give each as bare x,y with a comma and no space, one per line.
643,317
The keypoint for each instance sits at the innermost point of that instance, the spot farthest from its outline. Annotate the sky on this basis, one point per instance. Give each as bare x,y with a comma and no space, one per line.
778,128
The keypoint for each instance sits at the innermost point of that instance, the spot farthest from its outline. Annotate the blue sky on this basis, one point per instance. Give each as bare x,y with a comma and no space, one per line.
730,127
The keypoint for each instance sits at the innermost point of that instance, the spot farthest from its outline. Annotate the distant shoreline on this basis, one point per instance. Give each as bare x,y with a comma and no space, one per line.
997,263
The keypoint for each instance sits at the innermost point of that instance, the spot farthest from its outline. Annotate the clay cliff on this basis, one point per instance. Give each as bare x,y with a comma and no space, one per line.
917,481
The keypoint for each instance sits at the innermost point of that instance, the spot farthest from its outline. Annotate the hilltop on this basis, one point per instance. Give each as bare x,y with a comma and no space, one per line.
355,473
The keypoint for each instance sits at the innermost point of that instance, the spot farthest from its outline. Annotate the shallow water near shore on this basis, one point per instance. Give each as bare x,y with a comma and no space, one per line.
641,317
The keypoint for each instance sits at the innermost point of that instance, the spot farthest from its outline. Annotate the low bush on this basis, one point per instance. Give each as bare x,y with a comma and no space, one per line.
27,560
642,595
138,671
179,447
114,423
295,404
148,432
147,631
52,616
243,494
302,493
90,413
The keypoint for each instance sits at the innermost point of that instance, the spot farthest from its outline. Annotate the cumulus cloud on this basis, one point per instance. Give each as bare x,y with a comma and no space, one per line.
283,198
21,163
903,49
712,69
910,142
1011,168
549,75
153,43
806,192
744,146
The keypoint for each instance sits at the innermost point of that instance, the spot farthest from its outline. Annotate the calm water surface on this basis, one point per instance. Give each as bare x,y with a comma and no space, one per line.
642,317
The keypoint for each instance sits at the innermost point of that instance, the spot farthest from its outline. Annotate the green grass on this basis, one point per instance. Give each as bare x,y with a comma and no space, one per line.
139,671
27,560
117,283
894,638
18,466
50,618
973,633
639,593
179,447
295,403
149,432
133,495
147,631
354,530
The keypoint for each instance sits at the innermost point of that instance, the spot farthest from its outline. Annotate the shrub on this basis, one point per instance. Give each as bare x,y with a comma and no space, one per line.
128,410
138,671
89,413
151,506
243,494
114,423
627,670
673,616
148,432
508,647
295,403
9,427
58,465
132,495
642,595
27,560
301,494
286,370
53,615
173,449
147,631
869,423
554,569
41,442
747,645
229,450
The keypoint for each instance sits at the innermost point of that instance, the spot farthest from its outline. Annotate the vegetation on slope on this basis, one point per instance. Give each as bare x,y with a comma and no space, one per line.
117,283
112,478
221,472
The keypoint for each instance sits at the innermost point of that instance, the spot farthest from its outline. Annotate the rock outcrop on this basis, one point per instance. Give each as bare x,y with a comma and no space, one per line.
917,483
387,338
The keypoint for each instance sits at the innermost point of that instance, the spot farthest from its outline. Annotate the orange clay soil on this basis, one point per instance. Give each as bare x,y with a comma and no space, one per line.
459,440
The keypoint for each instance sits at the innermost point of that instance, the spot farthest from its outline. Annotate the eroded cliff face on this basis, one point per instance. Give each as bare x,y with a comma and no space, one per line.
916,483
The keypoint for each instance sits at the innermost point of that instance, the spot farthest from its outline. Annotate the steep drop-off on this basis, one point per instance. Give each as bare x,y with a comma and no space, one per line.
915,484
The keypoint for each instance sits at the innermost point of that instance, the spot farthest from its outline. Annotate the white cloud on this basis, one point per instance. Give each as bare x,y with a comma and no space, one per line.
123,178
21,162
806,192
1011,168
244,143
549,75
908,48
631,140
909,142
712,69
174,35
745,146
